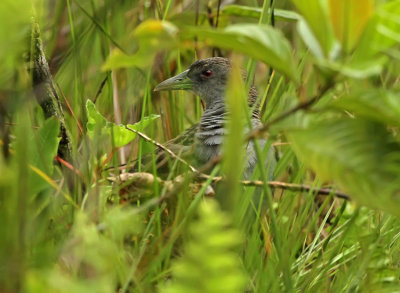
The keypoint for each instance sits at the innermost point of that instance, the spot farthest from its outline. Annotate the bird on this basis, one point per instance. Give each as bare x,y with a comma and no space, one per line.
208,79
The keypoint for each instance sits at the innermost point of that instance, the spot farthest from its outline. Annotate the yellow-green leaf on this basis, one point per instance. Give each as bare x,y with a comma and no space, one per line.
316,15
361,156
261,42
98,125
349,18
151,37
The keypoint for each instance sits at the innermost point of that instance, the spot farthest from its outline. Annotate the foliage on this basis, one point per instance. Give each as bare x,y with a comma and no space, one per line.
327,73
209,259
98,125
258,41
42,150
372,158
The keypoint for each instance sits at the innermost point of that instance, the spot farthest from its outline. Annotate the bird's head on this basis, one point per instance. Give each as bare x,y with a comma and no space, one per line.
207,78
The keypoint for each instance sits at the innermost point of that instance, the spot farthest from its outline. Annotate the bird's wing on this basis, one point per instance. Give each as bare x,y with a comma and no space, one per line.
182,146
186,138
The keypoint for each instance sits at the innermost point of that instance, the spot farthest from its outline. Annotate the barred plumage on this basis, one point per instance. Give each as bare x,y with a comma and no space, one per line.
208,78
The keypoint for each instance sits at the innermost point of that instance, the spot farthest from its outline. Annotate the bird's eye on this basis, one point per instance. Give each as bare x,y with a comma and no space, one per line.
207,73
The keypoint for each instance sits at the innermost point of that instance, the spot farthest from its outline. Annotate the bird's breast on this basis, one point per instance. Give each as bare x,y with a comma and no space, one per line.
208,143
209,139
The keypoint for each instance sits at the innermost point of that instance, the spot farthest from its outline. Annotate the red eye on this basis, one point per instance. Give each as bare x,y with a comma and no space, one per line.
207,73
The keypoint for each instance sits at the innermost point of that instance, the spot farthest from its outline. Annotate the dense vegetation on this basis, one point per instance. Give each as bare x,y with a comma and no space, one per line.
76,105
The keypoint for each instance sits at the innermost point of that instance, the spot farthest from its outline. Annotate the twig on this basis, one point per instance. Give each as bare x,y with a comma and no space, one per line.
143,180
15,124
285,186
218,10
164,148
277,144
100,89
297,187
257,132
69,166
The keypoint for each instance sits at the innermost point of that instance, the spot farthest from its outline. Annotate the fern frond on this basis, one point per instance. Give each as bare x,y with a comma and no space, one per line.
210,263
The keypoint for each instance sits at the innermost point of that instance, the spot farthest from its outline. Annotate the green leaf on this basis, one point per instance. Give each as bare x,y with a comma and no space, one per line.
255,12
95,119
309,38
121,222
151,36
210,263
381,32
43,149
355,69
261,42
14,30
379,105
359,70
359,155
348,18
316,15
118,59
98,125
233,164
123,136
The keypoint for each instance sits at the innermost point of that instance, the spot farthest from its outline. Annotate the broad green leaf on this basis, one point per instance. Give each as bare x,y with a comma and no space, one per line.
359,155
349,18
261,42
95,119
43,149
118,59
123,136
316,15
381,32
98,125
377,29
16,21
309,38
380,105
255,12
359,70
151,36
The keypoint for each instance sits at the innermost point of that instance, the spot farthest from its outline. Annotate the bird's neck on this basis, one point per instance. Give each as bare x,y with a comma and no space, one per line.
211,131
214,114
216,107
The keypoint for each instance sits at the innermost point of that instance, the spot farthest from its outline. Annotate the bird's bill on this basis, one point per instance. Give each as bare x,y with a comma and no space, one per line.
178,82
